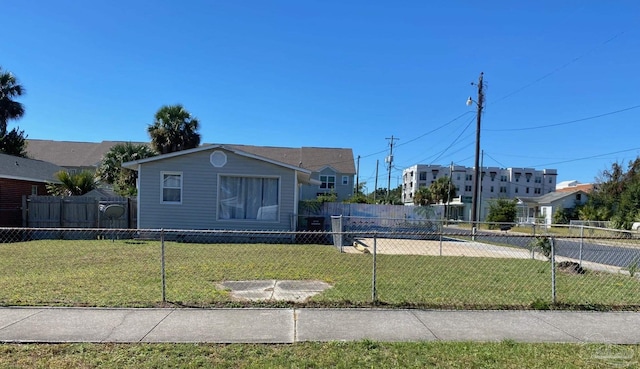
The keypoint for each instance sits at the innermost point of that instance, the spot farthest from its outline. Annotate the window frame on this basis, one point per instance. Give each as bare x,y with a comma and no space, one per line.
180,187
279,198
325,185
345,180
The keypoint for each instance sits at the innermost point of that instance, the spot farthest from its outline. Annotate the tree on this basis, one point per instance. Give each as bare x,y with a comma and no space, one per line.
174,129
423,197
111,171
616,196
12,142
502,211
566,215
442,190
73,184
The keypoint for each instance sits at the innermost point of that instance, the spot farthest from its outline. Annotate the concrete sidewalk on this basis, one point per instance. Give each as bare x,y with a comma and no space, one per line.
51,324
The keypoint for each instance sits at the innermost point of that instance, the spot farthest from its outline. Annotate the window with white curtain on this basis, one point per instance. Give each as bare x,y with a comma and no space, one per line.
171,187
252,198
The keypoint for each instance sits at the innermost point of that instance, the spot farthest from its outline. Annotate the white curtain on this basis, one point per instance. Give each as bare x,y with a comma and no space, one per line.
244,197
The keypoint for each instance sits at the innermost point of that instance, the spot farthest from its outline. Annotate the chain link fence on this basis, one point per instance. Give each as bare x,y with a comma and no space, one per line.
359,262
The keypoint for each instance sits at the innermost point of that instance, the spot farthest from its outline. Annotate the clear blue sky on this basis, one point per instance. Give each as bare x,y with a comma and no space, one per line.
341,74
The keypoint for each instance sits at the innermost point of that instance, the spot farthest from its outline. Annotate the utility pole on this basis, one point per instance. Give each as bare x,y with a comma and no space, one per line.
358,177
476,169
389,160
375,186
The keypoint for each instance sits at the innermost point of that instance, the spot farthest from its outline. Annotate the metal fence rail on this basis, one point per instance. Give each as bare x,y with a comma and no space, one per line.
424,264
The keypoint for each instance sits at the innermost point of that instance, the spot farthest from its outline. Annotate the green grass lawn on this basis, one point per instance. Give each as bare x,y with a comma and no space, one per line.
363,354
106,273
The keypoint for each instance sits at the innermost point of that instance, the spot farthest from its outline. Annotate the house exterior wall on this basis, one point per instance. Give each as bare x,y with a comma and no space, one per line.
199,206
11,192
342,190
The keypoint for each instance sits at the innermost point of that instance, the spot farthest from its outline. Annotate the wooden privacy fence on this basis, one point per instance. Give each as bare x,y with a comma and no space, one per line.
79,212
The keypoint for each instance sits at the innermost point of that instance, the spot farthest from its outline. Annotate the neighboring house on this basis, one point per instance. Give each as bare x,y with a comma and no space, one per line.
218,187
544,206
21,177
73,156
334,168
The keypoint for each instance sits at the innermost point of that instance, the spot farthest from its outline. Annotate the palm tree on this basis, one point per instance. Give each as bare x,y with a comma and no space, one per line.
9,109
174,129
12,143
422,197
111,171
73,184
442,190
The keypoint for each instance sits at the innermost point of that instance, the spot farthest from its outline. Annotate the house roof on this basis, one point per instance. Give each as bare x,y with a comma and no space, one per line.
587,187
551,197
89,154
312,158
70,153
14,167
304,175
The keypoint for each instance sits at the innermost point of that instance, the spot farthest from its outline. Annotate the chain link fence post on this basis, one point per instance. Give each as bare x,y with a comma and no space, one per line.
374,292
553,270
581,244
164,278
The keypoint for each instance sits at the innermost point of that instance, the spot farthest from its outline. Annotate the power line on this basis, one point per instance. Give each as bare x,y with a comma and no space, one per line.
557,69
564,123
587,157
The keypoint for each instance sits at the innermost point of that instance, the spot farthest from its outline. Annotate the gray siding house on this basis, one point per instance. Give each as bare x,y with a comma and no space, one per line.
218,187
333,168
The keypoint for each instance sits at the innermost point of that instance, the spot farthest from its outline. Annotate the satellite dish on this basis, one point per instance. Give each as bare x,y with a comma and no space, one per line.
113,211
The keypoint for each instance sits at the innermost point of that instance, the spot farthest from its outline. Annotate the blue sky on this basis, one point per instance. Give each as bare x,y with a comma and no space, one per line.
561,76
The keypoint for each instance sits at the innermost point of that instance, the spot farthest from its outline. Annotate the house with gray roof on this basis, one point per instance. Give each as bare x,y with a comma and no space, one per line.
21,177
545,205
71,155
230,187
332,168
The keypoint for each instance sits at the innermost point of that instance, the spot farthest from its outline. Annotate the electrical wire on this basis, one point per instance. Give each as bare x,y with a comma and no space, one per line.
563,123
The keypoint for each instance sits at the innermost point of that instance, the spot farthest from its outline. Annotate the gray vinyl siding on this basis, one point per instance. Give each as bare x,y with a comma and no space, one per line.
199,206
310,192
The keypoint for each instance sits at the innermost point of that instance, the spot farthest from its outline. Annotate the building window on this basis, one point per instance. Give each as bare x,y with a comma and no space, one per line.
34,190
467,188
503,178
423,176
491,188
345,180
248,198
171,187
468,177
536,191
503,189
578,196
516,189
328,181
527,189
538,180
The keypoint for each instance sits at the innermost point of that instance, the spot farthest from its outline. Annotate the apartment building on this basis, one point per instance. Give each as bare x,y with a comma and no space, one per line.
495,183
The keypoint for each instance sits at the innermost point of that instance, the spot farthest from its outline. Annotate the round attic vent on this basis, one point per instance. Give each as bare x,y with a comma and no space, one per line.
218,159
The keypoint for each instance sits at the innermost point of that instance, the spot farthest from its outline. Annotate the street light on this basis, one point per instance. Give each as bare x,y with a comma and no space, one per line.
476,168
